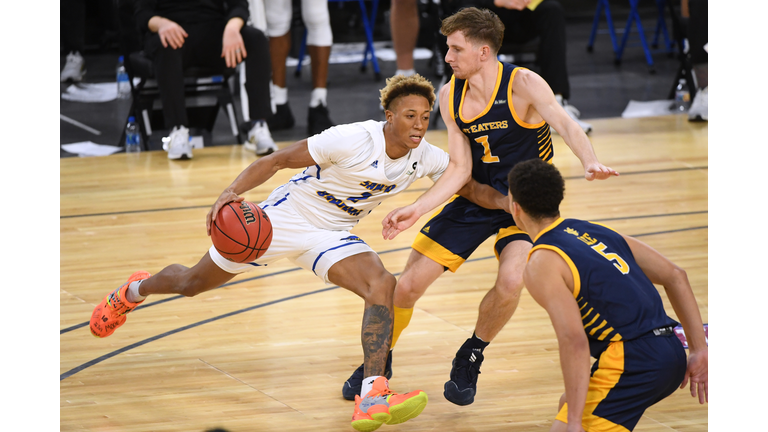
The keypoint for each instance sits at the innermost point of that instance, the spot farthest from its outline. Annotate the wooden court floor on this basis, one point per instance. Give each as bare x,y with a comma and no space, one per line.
270,350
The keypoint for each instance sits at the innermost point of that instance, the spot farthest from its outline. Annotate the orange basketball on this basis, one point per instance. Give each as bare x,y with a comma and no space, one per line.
242,232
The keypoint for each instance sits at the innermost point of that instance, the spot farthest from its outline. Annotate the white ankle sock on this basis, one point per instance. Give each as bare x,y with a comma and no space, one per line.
318,97
367,385
405,72
280,95
132,293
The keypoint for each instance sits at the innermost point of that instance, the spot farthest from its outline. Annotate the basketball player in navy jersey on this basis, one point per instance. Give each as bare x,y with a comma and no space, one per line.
497,114
597,287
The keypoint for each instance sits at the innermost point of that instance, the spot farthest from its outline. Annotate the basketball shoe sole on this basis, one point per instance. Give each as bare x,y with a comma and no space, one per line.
382,406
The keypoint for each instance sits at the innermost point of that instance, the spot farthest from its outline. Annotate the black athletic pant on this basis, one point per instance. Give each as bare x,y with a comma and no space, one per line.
697,30
72,26
202,48
547,22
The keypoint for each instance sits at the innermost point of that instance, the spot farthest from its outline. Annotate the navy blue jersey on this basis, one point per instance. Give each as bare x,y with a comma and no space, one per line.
617,300
498,136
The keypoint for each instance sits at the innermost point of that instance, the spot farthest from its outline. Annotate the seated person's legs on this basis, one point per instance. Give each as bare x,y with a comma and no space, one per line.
404,23
317,20
169,64
278,16
257,76
697,37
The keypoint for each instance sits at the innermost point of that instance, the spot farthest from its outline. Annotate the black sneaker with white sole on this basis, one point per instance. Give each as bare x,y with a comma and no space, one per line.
282,118
354,384
318,119
462,387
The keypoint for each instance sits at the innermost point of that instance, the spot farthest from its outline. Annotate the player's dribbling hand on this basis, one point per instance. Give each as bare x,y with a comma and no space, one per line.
397,221
226,197
697,371
599,171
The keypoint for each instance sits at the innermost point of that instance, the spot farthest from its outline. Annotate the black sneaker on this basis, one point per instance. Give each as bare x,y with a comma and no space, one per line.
354,384
282,118
318,120
462,387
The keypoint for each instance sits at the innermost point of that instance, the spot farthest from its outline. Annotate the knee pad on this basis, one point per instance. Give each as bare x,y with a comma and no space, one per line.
314,14
278,14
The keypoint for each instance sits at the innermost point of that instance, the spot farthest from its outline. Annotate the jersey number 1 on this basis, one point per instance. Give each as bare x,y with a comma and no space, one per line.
487,156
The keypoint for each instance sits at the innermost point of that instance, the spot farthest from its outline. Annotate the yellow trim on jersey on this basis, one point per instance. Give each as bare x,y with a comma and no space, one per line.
597,315
594,330
605,333
518,120
609,371
506,232
450,98
547,229
574,271
604,226
490,102
437,253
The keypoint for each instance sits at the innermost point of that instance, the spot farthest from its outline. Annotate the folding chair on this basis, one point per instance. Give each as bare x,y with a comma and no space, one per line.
201,85
634,17
685,70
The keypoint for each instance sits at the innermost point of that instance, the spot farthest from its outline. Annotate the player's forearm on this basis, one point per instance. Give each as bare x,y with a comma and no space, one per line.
255,175
687,310
454,178
574,361
484,195
579,144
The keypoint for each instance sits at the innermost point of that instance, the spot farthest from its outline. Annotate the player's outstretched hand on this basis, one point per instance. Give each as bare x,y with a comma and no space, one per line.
398,220
226,197
599,171
698,366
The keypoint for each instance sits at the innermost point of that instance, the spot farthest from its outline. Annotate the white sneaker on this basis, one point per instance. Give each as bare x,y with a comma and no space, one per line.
260,140
74,69
572,113
178,145
699,110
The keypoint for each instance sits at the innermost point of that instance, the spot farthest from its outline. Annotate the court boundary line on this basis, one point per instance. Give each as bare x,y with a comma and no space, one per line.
127,212
165,300
109,355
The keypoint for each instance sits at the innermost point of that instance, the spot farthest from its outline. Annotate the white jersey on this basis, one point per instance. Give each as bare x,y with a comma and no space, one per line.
354,175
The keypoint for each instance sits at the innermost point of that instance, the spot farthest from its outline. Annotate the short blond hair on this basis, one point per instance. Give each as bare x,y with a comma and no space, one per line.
400,85
478,26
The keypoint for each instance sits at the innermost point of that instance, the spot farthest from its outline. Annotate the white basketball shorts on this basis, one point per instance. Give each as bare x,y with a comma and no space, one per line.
295,239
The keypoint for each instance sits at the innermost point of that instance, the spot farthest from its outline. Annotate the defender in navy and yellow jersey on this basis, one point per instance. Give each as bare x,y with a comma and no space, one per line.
496,115
598,289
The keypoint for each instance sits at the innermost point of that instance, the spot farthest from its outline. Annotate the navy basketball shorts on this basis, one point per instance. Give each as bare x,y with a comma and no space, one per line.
456,230
629,377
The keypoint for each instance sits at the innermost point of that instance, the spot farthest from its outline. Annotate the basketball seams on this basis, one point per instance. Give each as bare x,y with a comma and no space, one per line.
246,252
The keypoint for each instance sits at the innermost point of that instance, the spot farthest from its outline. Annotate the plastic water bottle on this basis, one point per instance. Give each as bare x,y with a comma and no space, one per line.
123,86
132,137
682,97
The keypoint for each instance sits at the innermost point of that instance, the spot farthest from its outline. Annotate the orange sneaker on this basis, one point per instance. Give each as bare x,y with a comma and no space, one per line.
381,405
110,313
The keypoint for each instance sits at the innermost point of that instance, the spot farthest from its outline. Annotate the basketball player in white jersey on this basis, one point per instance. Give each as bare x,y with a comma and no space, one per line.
350,170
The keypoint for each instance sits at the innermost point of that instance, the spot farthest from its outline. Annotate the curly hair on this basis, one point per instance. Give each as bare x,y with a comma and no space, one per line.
537,187
400,85
478,26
